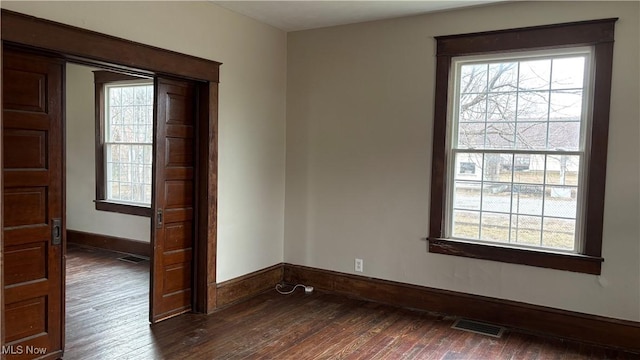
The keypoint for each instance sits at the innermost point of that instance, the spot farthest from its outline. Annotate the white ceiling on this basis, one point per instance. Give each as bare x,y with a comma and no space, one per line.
308,14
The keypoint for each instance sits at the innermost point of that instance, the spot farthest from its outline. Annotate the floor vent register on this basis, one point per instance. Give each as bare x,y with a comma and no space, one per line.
479,327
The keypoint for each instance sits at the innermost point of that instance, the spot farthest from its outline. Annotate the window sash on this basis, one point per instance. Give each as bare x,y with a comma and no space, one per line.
454,88
545,185
136,176
134,105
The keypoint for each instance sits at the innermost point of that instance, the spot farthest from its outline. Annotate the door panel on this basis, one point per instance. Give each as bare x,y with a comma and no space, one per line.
32,169
172,232
35,145
28,92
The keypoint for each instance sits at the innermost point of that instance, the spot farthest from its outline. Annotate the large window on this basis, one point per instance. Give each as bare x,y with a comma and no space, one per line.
520,121
520,145
124,143
128,143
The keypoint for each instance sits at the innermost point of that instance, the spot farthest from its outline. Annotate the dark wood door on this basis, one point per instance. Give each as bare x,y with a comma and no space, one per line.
174,201
33,205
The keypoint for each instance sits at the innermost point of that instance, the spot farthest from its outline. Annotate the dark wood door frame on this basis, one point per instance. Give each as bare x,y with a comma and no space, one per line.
1,217
93,48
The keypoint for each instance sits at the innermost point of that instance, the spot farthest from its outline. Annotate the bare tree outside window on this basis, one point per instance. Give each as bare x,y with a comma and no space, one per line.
129,142
519,121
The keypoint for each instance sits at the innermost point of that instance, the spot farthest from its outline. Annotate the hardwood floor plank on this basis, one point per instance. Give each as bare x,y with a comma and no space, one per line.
107,318
377,344
304,328
342,319
380,322
408,336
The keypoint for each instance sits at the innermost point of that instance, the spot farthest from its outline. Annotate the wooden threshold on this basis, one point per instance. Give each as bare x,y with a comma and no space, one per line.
112,243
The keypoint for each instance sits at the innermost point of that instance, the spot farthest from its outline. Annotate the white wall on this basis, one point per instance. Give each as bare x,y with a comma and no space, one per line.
80,165
359,126
251,113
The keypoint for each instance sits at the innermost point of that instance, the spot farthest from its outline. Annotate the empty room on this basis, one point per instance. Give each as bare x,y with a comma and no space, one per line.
320,180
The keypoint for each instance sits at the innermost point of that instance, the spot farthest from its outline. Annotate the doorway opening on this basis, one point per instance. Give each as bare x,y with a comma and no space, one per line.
184,205
109,147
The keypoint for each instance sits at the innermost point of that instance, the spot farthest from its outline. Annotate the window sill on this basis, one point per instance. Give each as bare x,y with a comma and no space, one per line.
120,208
546,259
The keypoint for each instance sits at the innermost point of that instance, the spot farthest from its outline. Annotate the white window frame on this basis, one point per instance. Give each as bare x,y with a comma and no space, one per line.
585,127
107,143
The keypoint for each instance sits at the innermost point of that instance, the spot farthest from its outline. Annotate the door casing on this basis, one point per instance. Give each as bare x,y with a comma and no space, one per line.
95,49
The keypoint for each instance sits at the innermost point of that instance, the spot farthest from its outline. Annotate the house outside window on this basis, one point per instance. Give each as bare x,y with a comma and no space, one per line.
467,168
529,108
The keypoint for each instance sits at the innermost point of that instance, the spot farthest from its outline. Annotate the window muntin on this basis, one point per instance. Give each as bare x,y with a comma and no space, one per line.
522,121
128,142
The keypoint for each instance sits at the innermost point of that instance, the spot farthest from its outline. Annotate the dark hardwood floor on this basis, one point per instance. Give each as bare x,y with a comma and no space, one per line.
107,311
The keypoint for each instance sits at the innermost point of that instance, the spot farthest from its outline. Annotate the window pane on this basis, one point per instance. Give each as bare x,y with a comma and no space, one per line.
497,167
147,194
471,136
503,77
501,107
147,172
473,78
473,107
140,95
500,135
533,106
113,189
529,169
535,74
564,135
526,230
559,234
496,197
148,157
466,195
127,96
468,166
560,201
125,176
115,115
531,136
563,169
466,224
495,227
115,96
565,106
527,199
568,73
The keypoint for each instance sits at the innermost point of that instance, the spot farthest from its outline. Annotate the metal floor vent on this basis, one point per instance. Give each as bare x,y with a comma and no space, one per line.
132,259
478,327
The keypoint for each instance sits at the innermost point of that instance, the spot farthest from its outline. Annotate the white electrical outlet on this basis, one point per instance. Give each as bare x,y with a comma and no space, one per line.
359,265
